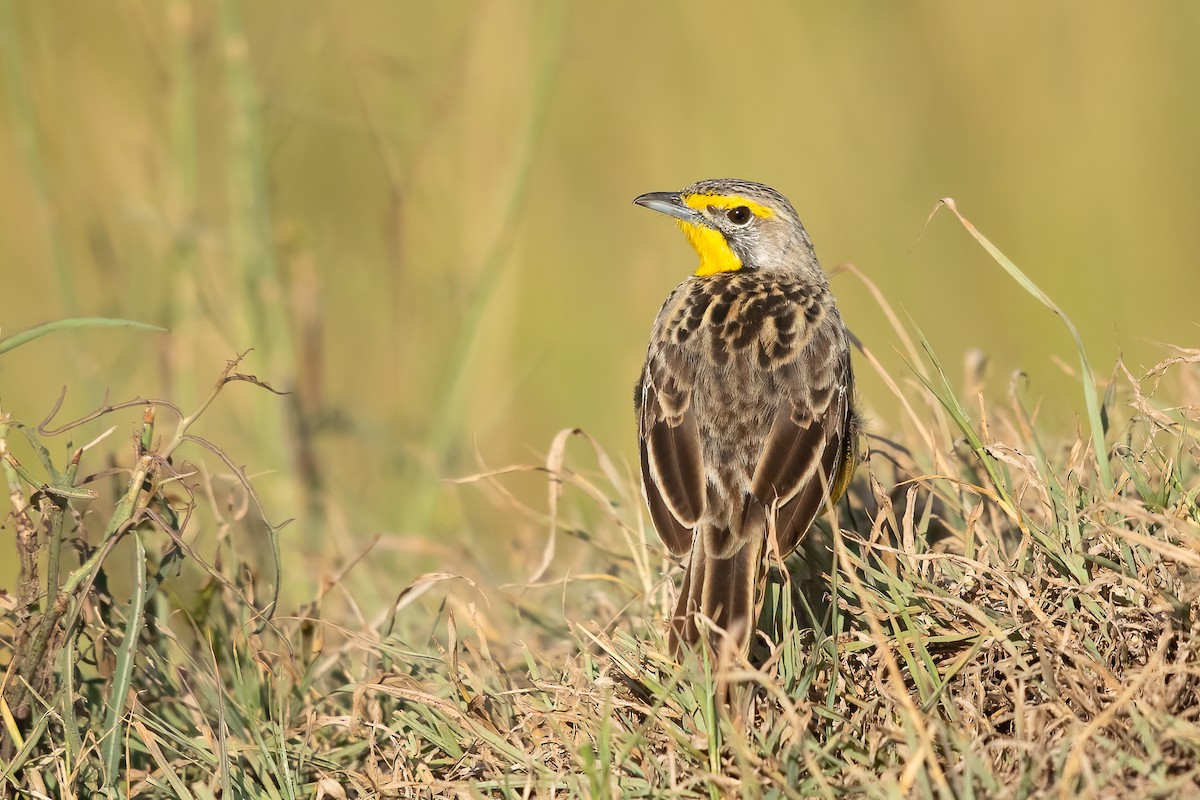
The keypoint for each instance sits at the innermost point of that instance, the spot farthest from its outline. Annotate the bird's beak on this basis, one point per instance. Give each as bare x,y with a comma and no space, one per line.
671,204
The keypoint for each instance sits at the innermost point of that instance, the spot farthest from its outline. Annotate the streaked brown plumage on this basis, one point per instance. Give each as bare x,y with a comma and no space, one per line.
745,404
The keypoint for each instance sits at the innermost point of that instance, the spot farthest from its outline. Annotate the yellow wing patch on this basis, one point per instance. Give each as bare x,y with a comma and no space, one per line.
849,463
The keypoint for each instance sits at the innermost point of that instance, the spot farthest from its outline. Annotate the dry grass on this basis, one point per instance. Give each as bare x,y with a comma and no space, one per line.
982,617
991,640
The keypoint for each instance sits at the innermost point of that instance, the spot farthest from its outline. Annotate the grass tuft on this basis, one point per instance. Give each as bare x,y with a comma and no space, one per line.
986,615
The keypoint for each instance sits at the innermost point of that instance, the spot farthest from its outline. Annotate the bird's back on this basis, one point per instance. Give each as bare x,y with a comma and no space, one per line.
735,335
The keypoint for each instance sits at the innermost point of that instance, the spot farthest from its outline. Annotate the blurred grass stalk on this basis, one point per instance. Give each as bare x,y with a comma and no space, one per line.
258,305
265,309
446,428
181,304
252,244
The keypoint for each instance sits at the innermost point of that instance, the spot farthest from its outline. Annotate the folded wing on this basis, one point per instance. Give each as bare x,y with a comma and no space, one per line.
672,461
811,440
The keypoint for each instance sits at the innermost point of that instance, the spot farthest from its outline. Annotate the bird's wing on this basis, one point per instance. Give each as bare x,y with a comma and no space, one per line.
672,461
810,446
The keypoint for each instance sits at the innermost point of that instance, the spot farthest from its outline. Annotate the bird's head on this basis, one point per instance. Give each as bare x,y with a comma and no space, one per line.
738,225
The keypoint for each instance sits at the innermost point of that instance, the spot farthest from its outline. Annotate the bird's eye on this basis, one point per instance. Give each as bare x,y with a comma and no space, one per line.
739,215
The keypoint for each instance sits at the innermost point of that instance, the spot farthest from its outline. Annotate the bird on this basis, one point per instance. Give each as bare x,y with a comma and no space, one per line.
747,423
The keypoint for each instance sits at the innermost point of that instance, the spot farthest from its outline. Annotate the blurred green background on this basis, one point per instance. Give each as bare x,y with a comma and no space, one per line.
419,216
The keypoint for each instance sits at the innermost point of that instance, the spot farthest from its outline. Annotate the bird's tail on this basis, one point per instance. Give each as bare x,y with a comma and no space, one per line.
723,588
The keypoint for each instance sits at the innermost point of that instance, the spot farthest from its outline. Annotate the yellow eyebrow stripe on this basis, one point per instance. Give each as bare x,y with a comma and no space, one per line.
702,201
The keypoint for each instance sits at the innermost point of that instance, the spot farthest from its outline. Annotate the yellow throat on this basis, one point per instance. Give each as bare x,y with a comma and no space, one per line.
715,253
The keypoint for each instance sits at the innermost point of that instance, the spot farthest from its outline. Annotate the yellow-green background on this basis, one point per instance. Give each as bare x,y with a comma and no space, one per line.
419,213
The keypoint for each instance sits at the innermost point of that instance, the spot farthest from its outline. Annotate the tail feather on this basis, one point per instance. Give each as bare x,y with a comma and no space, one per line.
725,590
684,631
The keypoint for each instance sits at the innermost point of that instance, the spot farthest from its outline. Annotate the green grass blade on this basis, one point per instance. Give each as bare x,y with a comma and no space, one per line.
126,656
1091,398
17,339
